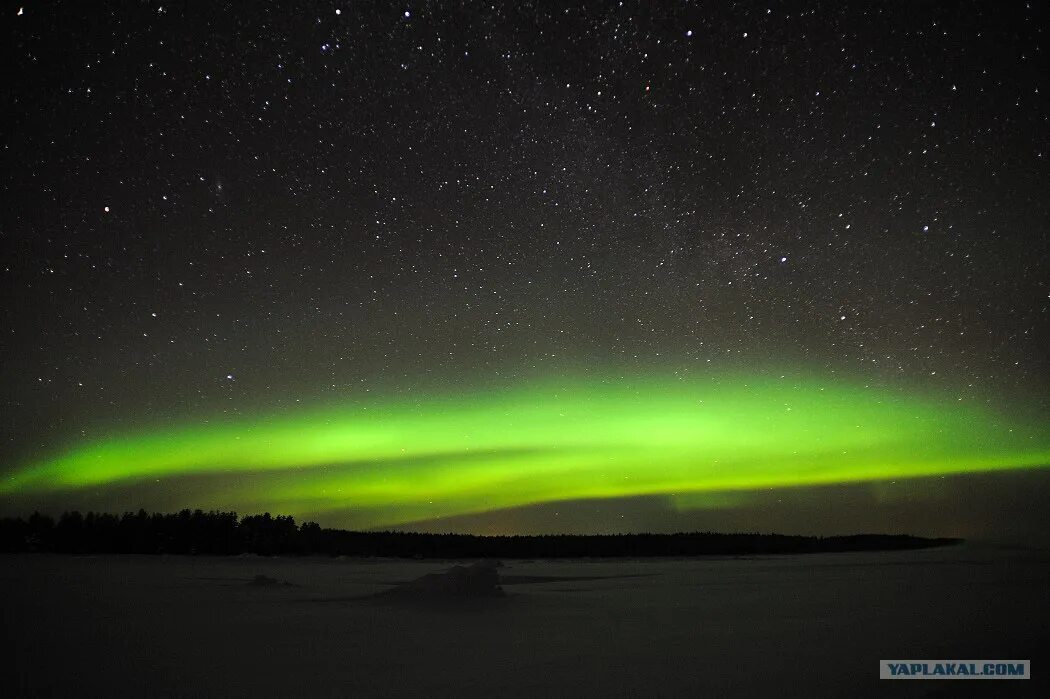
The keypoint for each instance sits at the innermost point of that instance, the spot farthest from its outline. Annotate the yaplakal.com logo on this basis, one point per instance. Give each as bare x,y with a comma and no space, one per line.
955,669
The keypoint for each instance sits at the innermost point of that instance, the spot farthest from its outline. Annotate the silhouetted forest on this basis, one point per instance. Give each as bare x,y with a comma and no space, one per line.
198,532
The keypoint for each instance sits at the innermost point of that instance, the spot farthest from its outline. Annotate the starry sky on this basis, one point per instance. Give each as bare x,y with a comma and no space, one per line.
453,265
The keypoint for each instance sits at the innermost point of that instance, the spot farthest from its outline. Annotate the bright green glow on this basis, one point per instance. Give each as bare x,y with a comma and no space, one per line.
402,461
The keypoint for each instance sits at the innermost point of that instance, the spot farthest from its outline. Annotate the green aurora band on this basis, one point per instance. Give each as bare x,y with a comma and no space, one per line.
405,460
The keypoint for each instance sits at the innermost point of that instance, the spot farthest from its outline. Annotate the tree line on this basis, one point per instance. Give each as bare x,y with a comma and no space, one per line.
199,532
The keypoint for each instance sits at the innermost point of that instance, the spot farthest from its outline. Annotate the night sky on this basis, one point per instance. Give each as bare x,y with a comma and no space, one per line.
513,267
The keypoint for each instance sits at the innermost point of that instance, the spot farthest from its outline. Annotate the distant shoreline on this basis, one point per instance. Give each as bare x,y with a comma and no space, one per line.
224,533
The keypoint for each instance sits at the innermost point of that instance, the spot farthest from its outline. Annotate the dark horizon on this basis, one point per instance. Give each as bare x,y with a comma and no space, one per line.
226,533
968,507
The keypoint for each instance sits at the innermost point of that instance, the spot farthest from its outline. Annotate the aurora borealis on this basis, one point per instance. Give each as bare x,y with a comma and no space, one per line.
515,267
440,456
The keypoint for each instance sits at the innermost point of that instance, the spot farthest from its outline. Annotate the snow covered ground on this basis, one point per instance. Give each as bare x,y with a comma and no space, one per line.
812,625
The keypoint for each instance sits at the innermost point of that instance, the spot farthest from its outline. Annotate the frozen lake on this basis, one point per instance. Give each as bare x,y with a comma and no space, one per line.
801,625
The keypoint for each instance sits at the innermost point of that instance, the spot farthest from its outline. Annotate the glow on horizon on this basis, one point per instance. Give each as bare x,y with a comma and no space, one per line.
410,459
